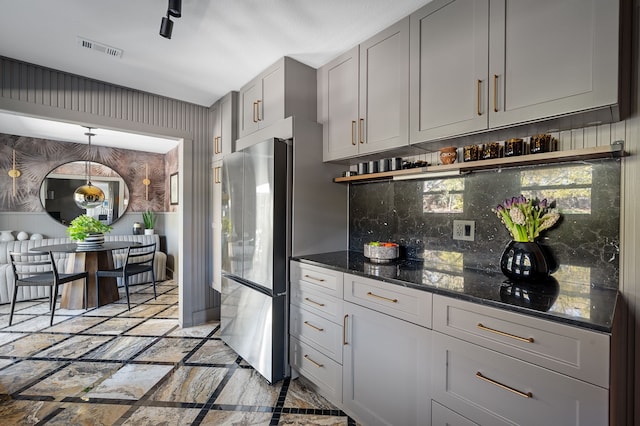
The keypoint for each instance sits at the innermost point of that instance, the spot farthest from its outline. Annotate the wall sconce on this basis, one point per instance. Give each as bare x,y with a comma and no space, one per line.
14,173
146,182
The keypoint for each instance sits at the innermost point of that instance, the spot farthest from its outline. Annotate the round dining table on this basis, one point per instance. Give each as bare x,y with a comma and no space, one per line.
89,259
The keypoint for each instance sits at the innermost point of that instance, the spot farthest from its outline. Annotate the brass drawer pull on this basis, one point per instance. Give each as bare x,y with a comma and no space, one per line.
344,330
308,324
258,110
495,93
255,110
382,297
505,387
314,278
313,301
353,132
502,333
317,364
361,130
479,98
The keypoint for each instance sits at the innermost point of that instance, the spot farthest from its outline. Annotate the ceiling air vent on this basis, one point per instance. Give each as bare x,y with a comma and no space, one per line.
99,47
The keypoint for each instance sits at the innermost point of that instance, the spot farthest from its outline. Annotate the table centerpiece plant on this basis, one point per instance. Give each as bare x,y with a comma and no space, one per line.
88,230
525,219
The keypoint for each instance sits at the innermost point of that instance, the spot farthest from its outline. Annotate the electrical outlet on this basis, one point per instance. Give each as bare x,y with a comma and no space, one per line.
464,230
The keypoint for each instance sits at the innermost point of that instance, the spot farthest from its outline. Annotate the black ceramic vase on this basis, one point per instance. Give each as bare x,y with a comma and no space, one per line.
525,261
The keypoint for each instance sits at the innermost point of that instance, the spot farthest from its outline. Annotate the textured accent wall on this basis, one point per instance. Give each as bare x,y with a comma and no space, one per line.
35,158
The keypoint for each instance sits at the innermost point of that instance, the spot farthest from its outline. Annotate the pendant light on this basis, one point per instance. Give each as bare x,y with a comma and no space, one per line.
88,196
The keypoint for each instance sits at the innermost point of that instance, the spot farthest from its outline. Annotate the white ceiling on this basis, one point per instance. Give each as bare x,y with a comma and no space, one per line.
216,46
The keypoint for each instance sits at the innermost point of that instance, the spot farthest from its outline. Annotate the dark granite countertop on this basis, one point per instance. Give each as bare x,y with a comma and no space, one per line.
570,300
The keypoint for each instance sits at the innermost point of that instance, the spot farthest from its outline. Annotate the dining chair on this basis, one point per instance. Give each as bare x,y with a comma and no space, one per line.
139,260
39,269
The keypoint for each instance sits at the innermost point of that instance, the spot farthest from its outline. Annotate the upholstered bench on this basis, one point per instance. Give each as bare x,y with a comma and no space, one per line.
27,293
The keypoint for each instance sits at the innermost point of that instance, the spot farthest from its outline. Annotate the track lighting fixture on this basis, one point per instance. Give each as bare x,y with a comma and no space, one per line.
166,27
174,9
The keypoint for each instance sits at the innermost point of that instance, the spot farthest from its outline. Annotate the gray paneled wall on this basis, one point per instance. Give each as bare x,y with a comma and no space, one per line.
45,93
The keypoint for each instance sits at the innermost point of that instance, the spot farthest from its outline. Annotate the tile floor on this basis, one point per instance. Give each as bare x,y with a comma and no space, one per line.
110,366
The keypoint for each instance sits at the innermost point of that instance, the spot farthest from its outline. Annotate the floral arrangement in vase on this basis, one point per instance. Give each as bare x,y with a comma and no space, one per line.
526,218
83,226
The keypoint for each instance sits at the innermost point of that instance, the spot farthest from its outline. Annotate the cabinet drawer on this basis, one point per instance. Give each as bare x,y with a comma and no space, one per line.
306,296
317,332
491,388
395,300
442,416
579,353
325,280
321,370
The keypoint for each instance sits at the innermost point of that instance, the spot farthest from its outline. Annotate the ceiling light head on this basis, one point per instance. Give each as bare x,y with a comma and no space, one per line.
175,8
166,27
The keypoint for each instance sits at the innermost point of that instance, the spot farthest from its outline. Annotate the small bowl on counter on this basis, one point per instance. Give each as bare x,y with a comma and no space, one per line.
381,252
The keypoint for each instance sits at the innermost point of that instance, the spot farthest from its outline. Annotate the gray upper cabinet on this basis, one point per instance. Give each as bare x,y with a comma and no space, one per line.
364,96
449,63
224,125
284,89
551,57
485,64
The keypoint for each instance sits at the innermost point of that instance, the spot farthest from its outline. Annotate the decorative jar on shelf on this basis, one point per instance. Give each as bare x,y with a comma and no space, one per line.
6,236
448,155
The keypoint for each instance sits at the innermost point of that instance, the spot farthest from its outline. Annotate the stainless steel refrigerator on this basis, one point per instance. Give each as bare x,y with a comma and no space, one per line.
256,245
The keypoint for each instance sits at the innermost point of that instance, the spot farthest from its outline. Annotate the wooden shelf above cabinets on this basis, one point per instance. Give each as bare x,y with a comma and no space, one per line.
614,150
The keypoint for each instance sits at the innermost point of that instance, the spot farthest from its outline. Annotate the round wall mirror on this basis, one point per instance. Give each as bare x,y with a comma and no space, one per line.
56,192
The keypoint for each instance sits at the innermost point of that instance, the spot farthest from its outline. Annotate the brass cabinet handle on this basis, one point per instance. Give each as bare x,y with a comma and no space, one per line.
216,175
361,129
505,387
495,93
344,330
353,132
314,278
479,98
313,301
308,324
216,145
317,364
255,109
258,110
502,333
382,297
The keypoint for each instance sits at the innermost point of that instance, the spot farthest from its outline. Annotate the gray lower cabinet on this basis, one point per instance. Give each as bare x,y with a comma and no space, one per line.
496,367
368,347
386,367
491,388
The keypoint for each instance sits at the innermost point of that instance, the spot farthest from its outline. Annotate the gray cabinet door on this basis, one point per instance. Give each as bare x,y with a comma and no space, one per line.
338,95
228,123
384,90
249,107
386,364
273,92
217,226
551,57
449,62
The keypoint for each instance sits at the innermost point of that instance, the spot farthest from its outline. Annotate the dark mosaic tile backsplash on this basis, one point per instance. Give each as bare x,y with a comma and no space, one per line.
419,215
